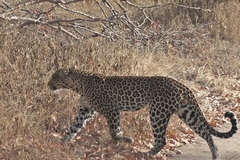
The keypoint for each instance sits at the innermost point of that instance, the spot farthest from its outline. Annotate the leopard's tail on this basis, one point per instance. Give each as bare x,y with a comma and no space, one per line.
234,122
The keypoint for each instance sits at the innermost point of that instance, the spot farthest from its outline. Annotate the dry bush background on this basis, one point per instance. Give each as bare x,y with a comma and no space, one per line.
202,51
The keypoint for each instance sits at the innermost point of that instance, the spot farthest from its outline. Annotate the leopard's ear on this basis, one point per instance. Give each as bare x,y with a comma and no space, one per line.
71,70
66,71
63,72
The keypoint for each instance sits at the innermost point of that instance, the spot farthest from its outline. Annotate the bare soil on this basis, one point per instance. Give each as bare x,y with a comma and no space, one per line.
229,149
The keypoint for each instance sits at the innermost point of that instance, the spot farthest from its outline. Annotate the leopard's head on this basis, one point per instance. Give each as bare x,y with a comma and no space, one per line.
59,79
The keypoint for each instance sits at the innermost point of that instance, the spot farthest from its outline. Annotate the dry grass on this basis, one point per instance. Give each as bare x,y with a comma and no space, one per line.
33,118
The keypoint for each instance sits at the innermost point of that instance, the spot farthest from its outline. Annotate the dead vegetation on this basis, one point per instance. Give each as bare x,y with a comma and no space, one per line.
204,54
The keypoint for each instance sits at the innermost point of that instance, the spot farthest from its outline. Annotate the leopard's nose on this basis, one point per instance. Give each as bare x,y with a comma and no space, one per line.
49,84
52,86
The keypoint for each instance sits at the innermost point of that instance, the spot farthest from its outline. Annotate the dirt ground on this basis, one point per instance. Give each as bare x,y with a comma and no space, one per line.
229,149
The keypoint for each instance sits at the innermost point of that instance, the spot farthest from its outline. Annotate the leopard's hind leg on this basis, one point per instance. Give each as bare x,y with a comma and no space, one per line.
159,117
194,118
113,119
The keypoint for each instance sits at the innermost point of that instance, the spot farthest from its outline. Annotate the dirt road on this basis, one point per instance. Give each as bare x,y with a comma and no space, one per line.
229,149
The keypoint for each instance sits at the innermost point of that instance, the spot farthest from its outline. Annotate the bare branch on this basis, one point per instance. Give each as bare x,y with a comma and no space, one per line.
113,20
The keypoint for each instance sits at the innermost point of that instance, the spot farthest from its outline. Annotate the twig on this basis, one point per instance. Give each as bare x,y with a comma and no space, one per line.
7,4
104,13
189,7
112,10
92,31
78,12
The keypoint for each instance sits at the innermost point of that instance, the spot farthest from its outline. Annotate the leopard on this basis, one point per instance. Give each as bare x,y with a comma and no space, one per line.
110,95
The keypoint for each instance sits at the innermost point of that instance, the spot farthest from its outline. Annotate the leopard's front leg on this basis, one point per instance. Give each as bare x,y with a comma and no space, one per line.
84,115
